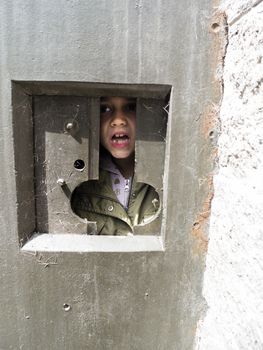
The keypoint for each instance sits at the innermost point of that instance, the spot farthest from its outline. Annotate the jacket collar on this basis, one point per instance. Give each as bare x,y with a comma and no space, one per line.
107,164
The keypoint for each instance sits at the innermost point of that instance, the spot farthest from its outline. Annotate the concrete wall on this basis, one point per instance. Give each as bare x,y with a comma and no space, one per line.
118,300
233,281
40,41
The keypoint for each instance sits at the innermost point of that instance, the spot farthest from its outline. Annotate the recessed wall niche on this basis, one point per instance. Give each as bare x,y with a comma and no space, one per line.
56,142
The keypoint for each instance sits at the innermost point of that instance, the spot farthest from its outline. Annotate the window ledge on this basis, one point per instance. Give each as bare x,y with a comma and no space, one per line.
84,243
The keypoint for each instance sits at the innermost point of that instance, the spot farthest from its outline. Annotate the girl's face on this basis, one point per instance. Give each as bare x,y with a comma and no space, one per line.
118,126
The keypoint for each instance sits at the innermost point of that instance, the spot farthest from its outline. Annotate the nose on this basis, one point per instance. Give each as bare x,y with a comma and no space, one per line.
118,119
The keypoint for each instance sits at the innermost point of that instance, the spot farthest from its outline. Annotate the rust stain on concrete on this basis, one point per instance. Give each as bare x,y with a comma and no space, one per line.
199,228
210,126
209,121
219,31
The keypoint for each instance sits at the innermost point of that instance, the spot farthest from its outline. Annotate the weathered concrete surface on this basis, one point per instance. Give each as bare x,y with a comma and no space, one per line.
123,300
237,9
234,273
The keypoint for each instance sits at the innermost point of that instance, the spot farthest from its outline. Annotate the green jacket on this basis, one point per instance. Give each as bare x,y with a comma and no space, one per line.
96,201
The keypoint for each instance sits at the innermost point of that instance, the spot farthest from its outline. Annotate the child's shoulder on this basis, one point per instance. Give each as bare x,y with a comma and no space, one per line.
95,186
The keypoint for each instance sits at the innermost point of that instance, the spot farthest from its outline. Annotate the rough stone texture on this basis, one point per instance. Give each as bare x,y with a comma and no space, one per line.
233,281
236,9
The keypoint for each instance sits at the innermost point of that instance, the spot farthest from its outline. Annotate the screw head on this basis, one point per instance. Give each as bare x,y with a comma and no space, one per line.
61,182
66,307
71,127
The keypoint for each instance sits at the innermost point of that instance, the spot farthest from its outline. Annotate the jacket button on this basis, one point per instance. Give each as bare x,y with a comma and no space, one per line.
110,208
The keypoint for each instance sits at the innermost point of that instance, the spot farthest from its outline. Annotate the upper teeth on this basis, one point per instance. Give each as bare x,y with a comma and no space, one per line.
119,135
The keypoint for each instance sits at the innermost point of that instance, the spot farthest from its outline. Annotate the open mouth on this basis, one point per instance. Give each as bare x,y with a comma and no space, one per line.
120,139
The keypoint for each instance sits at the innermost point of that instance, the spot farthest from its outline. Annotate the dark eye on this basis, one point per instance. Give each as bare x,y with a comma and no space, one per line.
105,109
130,107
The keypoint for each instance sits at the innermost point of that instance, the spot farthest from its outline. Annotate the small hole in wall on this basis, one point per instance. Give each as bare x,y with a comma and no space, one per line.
79,164
211,134
215,27
66,307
